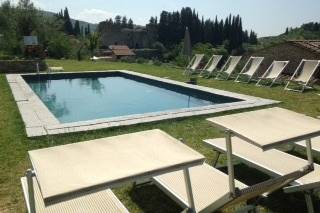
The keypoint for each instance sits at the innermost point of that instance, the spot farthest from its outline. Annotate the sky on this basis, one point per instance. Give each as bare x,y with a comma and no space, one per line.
266,17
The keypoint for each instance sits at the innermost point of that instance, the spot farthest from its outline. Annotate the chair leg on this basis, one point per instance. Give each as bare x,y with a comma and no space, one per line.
215,160
273,82
236,80
258,83
308,198
287,85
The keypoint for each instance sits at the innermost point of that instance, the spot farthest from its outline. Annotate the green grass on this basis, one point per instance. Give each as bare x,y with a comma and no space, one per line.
14,144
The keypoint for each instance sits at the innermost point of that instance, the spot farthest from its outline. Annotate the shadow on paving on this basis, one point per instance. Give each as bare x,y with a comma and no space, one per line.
278,201
152,200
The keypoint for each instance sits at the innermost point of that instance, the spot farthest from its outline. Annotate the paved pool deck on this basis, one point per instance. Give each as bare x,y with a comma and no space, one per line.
39,121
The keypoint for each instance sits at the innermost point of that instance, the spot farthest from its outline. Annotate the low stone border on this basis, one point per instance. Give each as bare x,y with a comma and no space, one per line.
40,121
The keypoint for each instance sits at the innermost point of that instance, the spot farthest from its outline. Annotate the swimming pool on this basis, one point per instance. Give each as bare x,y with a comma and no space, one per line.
82,98
80,101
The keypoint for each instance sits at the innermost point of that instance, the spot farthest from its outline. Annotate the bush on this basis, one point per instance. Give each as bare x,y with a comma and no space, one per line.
141,60
128,60
156,62
181,60
6,57
60,47
159,46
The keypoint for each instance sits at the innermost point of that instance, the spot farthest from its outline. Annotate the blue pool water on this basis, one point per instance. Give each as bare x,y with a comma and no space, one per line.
81,99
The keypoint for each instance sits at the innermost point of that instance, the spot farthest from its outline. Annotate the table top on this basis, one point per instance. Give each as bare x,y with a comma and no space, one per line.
68,169
271,127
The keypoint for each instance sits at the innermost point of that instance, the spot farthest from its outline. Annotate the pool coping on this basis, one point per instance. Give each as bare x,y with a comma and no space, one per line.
39,121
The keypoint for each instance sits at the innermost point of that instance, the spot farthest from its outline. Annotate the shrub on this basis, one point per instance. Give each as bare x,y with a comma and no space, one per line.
141,60
181,60
60,47
128,60
159,46
156,62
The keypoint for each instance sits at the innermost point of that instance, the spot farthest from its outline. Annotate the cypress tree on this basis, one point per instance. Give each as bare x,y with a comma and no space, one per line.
68,28
130,24
77,30
124,22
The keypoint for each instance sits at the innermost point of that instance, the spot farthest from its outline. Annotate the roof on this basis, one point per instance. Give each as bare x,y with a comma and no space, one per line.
30,40
121,50
69,169
267,128
312,45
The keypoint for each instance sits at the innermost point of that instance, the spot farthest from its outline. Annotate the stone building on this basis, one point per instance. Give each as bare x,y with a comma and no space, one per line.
137,38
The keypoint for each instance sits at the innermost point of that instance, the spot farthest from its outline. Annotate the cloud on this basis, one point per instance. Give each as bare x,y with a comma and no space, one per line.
94,15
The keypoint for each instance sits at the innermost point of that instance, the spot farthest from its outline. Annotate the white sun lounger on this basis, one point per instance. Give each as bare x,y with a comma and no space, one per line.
229,67
211,65
68,171
250,69
98,202
315,144
237,124
194,63
269,128
209,187
303,74
55,69
270,162
273,72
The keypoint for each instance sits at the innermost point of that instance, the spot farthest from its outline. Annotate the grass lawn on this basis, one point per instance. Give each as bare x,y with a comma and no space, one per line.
14,144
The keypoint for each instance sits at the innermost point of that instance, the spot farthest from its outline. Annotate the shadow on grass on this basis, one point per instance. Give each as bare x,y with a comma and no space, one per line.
278,201
152,200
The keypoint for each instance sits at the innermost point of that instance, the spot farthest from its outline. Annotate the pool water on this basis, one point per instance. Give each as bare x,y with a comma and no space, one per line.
81,99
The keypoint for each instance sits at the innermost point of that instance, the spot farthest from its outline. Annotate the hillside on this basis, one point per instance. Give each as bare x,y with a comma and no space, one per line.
309,31
93,27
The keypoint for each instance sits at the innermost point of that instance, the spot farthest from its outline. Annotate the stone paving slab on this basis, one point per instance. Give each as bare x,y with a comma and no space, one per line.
17,92
29,116
40,121
12,78
35,131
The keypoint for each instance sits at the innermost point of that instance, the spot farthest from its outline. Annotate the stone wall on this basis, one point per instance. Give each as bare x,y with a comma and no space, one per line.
21,66
133,38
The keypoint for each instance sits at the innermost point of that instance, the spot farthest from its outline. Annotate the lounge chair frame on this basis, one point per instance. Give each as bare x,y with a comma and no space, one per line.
304,85
29,194
316,149
238,195
247,67
226,66
269,70
211,66
306,169
194,63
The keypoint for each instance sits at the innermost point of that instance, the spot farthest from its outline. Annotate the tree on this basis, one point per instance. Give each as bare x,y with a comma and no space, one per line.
82,31
27,17
130,24
124,22
59,46
117,20
93,42
287,31
253,38
172,24
77,30
87,30
68,28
